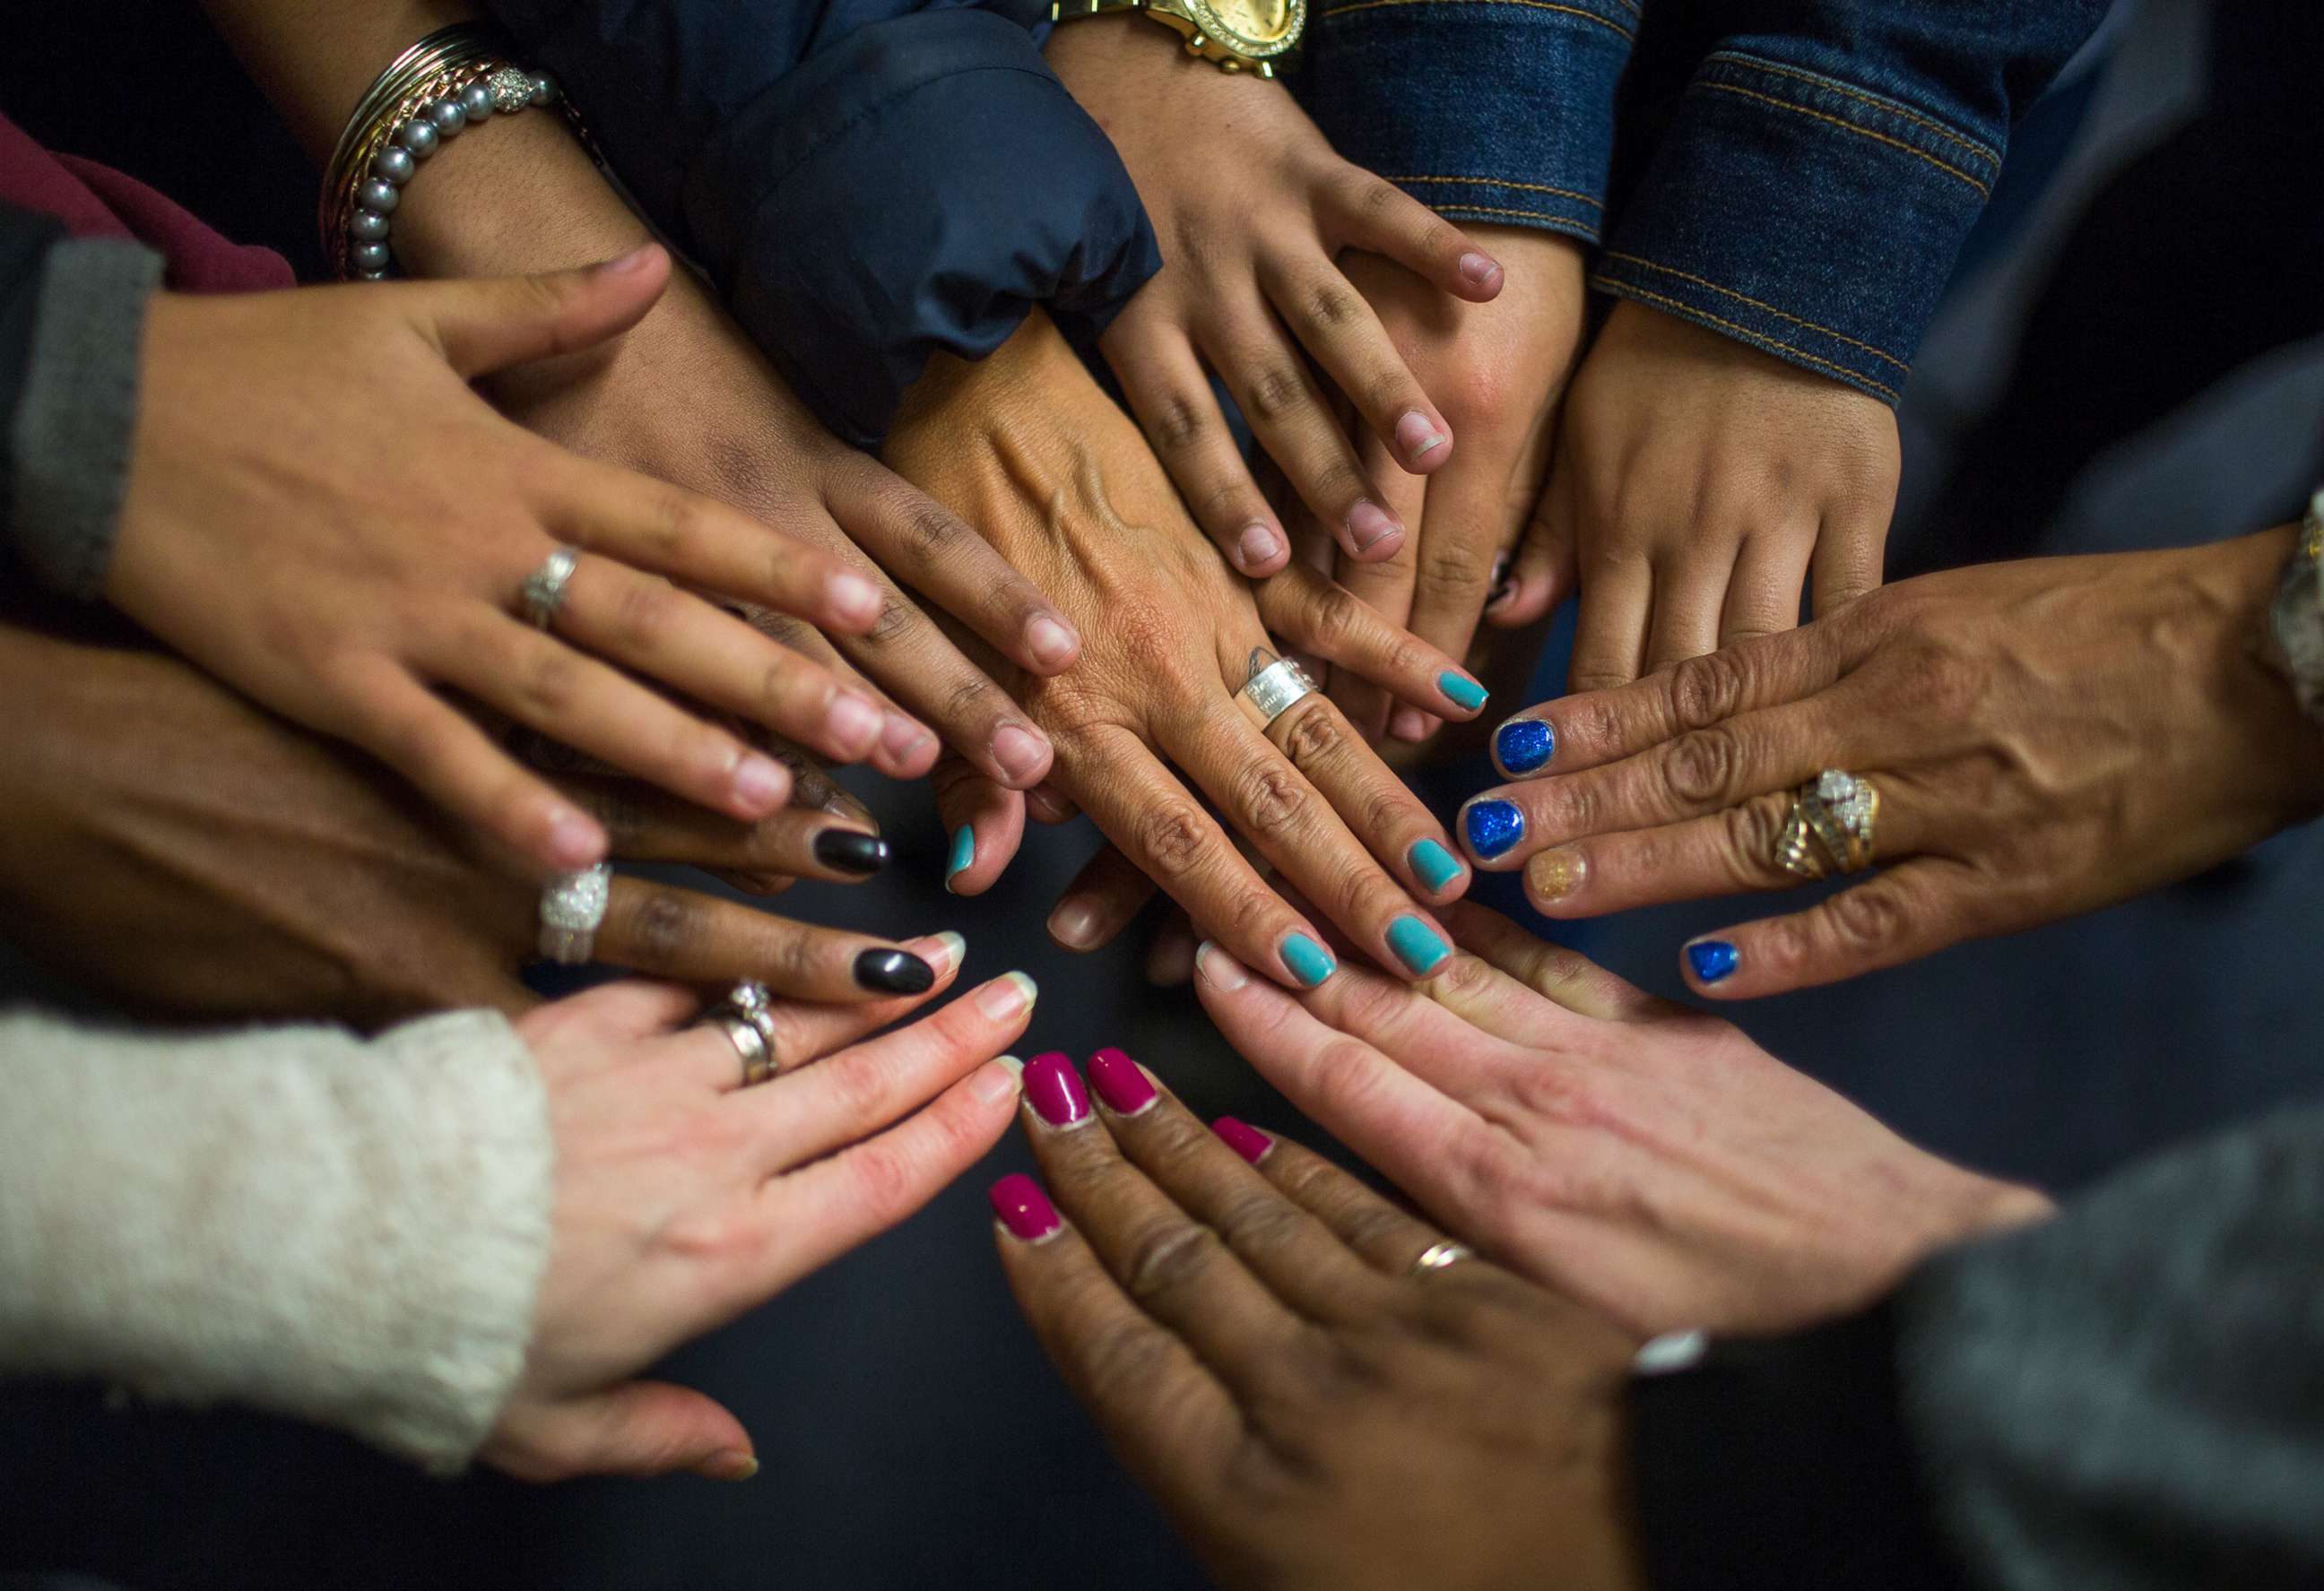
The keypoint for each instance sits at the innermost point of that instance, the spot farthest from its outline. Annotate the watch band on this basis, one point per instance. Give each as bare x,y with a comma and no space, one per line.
1070,10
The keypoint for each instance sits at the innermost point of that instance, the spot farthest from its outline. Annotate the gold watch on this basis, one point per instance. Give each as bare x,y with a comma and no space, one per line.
1239,35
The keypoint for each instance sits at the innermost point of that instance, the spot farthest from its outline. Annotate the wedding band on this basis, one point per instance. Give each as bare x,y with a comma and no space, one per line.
1437,1255
1274,690
750,1004
572,906
1830,827
750,1044
544,588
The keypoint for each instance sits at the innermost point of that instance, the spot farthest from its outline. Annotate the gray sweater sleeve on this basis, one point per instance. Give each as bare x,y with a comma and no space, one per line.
351,1232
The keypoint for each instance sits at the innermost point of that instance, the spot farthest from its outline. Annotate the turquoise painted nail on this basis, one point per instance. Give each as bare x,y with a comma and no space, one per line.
1461,690
963,852
1415,944
1433,866
1309,962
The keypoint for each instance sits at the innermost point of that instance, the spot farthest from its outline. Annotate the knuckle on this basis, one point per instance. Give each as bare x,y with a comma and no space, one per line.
1463,980
898,620
1273,801
1704,767
664,929
1330,304
1866,919
1173,839
1179,421
1706,689
646,611
1315,739
1451,569
930,527
969,698
857,1087
1260,1223
549,680
1749,833
1943,684
887,1180
1273,391
1334,621
1167,1259
1120,1361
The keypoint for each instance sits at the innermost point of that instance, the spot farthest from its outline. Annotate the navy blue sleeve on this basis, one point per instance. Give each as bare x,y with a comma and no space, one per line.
867,182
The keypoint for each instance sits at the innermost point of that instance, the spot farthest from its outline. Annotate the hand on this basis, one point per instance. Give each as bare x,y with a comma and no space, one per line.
1252,216
684,1199
1311,1415
346,536
1025,445
1697,484
1650,1162
174,848
1500,370
2047,737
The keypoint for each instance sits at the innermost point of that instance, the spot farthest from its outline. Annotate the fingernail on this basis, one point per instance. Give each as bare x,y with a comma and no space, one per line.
728,1466
1006,995
1309,962
1554,875
1492,827
998,1079
1255,545
1023,1211
1415,944
854,724
1220,968
1479,269
622,266
1522,745
761,783
1369,524
900,737
893,972
1246,1141
945,952
1461,690
853,598
1120,1083
1049,641
1416,438
1435,866
1504,588
1054,1089
575,840
1410,725
851,850
1021,753
1073,924
963,852
1711,958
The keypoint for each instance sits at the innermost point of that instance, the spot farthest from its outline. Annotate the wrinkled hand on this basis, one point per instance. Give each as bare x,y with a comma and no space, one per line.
1253,213
1648,1160
1023,444
1697,484
2047,737
683,1200
1255,1346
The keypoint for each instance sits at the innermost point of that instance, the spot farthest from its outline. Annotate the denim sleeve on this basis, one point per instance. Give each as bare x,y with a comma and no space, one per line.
1824,166
1496,111
867,182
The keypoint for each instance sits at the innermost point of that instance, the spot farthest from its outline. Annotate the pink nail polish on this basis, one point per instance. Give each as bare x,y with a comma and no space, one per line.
1023,1210
1120,1083
1246,1141
1371,524
1055,1090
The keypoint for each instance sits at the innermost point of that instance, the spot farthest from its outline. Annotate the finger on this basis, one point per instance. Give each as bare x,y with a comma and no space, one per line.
1045,804
1544,571
985,820
1100,901
489,324
1689,594
1847,561
640,1428
1373,214
1170,954
1341,332
1310,613
1762,598
1550,969
1466,528
905,748
1170,393
1609,634
644,824
1895,916
1416,1030
1385,587
1387,1239
671,932
798,1033
632,1008
1395,825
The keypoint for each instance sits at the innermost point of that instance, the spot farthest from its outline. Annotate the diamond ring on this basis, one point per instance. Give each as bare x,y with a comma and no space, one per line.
572,906
544,588
1829,828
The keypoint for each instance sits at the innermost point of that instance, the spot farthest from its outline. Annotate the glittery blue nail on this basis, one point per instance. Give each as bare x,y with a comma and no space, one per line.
1433,866
1309,962
1461,690
1415,944
1522,745
1493,827
963,852
1711,958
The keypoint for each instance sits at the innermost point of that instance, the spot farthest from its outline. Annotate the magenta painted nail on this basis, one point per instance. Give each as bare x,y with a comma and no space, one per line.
1055,1090
1119,1083
1021,1207
1246,1141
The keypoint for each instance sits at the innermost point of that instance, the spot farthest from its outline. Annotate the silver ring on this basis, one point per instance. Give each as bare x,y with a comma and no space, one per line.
572,906
1437,1255
750,1044
544,588
1274,690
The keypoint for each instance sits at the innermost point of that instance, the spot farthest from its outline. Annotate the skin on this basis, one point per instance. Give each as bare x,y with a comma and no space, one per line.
2047,737
1311,1416
683,1200
185,854
1082,506
1253,289
1647,1160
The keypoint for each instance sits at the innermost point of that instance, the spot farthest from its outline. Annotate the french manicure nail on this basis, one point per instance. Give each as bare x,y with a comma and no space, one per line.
1255,545
1049,641
1522,745
893,972
1246,1141
1021,753
851,850
1309,962
1416,438
853,598
1073,924
575,840
1555,874
1119,1083
1479,269
1711,958
1023,1211
1006,996
1223,971
1435,866
1492,827
1461,690
1371,524
761,783
1054,1089
855,723
728,1466
1415,944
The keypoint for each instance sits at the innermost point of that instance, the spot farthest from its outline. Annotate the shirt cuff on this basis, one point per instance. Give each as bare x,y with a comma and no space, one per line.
856,234
1813,220
1493,111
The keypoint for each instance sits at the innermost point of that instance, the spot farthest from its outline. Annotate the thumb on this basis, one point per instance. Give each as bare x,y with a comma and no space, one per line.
491,323
644,1427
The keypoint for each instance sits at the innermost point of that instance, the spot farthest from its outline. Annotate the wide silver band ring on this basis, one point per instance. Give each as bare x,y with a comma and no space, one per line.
544,588
572,908
1273,691
749,1006
1437,1255
750,1044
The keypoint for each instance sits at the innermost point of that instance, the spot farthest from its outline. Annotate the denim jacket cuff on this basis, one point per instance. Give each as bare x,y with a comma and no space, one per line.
1491,111
1815,220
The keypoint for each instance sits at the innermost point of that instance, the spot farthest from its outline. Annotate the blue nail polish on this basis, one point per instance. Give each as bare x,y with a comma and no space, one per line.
1493,827
1309,962
1711,958
1433,866
1461,690
1522,745
963,852
1415,944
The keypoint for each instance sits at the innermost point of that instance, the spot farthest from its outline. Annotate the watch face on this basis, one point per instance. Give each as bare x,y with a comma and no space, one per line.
1257,27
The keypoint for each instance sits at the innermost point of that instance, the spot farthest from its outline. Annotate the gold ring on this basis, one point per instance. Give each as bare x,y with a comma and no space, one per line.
1830,827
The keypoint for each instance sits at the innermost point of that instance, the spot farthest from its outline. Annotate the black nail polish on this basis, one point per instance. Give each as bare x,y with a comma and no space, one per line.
851,851
893,972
